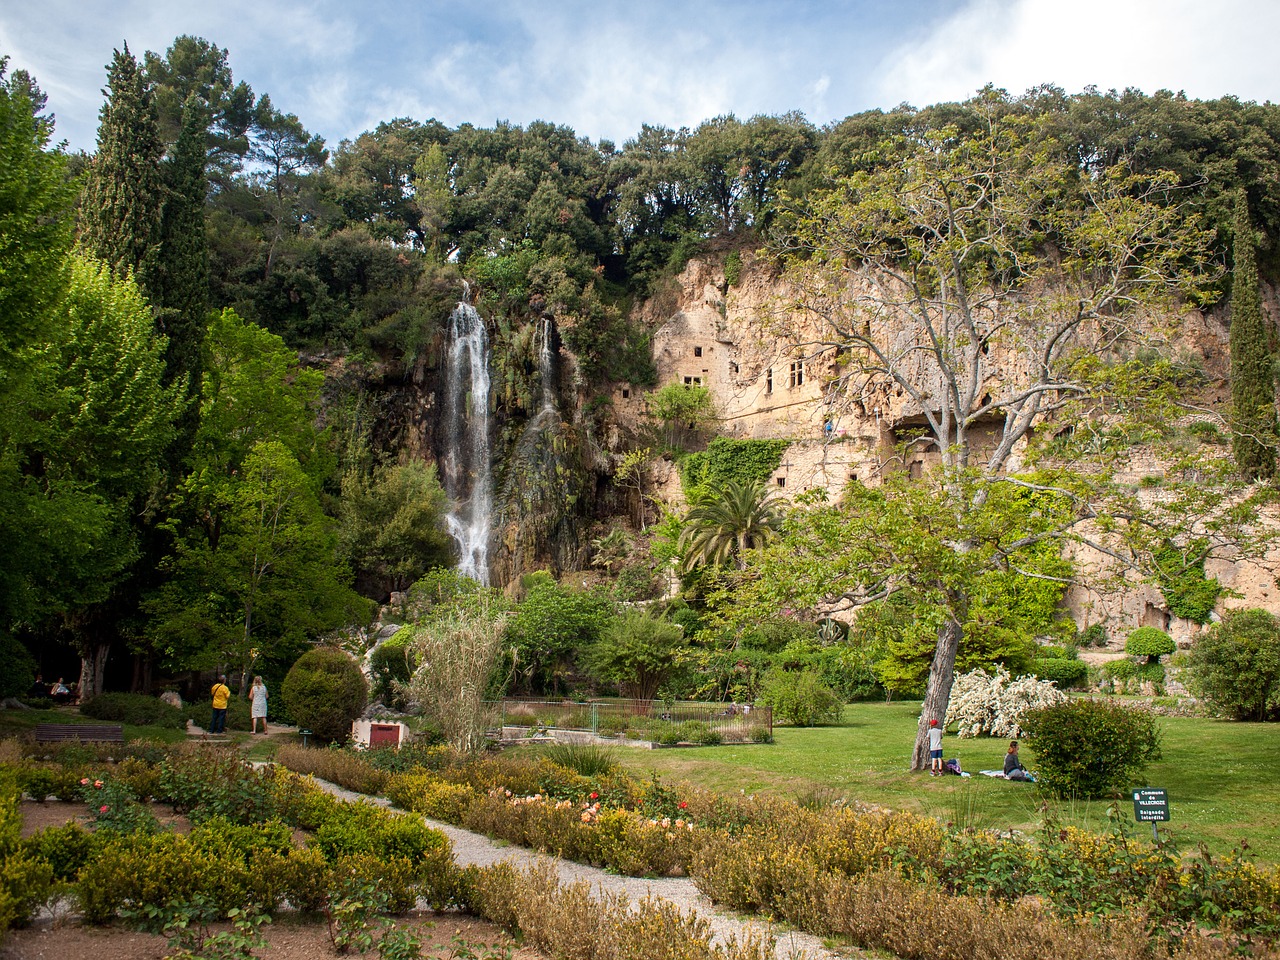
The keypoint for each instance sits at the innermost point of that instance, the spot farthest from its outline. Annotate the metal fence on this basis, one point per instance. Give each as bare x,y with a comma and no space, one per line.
656,720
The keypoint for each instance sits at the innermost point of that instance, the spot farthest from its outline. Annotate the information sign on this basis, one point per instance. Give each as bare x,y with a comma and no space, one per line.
1150,805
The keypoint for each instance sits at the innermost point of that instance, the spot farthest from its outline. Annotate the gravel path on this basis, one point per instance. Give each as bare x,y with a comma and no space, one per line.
474,849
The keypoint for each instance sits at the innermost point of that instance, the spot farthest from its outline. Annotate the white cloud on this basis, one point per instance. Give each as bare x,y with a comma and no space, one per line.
1205,49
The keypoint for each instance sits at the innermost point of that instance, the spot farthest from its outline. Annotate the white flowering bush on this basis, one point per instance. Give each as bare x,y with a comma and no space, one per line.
984,704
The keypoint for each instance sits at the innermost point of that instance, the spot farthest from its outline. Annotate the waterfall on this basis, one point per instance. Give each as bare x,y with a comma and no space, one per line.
466,455
547,369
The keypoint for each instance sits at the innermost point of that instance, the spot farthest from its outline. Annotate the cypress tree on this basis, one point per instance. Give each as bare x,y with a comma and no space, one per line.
182,279
124,193
1253,391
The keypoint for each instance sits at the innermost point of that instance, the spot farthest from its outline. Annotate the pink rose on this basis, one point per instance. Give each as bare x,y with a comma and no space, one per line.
84,781
103,808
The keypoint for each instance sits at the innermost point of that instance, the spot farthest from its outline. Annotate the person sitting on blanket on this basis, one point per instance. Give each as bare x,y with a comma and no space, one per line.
1013,768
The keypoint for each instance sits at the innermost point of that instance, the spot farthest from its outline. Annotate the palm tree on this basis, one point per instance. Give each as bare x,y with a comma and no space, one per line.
724,525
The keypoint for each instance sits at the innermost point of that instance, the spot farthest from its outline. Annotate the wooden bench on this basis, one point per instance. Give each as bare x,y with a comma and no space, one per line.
83,732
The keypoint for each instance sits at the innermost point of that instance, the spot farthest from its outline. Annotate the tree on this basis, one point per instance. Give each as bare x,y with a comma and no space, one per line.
985,283
1236,665
255,571
283,151
1253,387
727,524
270,579
392,524
182,274
195,68
124,191
638,653
681,410
105,418
630,472
35,234
549,629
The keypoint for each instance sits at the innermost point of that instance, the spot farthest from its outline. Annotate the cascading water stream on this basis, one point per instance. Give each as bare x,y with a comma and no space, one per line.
466,455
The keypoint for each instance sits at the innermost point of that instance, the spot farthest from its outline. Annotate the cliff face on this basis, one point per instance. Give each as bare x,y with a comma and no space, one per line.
740,343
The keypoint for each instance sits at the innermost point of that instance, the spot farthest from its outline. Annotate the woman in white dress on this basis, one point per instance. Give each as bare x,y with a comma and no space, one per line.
258,704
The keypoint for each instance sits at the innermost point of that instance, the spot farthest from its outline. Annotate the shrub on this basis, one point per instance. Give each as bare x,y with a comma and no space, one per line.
390,664
799,698
325,691
430,796
993,705
136,709
1090,748
66,849
340,765
1235,666
1065,673
1150,642
1094,635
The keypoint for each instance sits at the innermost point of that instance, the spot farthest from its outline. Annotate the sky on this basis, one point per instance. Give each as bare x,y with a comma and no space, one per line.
605,68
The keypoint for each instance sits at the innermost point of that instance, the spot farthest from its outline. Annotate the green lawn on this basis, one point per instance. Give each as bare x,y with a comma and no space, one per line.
1223,778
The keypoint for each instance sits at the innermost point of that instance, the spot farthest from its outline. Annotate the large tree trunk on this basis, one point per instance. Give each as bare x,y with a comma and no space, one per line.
941,675
93,662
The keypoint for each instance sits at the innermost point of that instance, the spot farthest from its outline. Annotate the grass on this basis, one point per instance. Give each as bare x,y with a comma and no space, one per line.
1223,779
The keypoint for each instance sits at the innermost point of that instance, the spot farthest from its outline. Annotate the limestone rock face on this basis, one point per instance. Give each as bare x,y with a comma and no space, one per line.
768,372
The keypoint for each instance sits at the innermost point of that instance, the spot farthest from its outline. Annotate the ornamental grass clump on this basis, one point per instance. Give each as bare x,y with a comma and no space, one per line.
984,704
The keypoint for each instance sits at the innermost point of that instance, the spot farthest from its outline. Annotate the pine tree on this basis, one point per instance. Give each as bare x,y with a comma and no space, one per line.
1253,391
124,192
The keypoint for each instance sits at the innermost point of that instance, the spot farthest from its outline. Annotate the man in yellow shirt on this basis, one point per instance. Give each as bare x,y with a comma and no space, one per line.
221,696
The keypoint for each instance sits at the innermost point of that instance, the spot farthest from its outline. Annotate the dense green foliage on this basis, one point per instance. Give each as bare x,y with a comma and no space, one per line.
1180,572
1253,387
799,697
1091,748
324,691
1150,642
726,460
1236,665
124,192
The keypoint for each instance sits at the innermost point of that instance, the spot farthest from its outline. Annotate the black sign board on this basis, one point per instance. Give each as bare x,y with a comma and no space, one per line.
1150,805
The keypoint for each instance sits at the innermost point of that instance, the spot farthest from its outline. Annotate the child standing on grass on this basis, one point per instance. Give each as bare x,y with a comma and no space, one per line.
935,749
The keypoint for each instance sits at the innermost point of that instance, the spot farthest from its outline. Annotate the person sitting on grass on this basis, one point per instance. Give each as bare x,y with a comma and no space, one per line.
1013,768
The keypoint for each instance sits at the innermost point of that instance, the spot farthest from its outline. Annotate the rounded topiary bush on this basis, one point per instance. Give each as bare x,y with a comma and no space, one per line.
324,691
1090,748
1150,642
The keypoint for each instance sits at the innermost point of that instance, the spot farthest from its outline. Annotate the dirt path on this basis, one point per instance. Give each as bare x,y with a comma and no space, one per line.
474,849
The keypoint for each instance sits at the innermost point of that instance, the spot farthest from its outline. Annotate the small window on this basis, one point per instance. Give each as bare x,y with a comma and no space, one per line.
733,368
697,351
626,394
782,481
688,381
692,381
768,380
797,373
